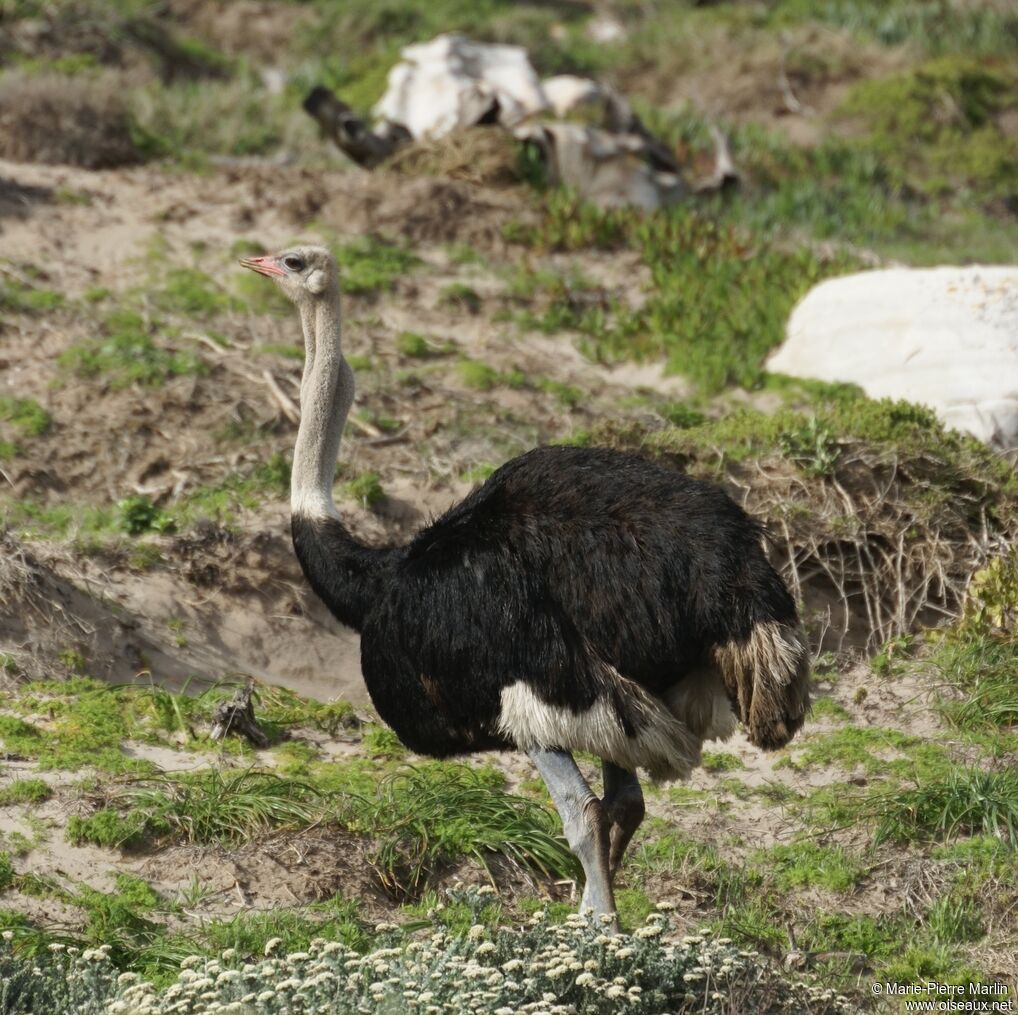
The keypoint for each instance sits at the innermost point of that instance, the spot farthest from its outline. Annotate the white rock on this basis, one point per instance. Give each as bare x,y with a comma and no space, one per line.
944,337
566,92
451,82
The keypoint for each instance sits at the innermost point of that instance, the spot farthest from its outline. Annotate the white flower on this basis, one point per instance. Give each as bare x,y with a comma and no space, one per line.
614,991
623,953
272,944
266,995
512,965
484,948
650,930
665,907
584,979
56,946
476,931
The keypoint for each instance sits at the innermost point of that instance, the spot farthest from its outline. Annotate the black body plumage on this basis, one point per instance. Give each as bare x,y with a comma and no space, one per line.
567,561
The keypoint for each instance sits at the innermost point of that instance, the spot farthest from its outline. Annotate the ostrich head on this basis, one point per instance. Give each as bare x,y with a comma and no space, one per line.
305,274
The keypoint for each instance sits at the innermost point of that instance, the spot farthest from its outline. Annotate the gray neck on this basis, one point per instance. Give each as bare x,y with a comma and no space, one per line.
326,394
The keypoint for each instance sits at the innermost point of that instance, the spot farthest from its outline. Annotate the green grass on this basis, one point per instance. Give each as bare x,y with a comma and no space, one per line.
720,298
828,708
107,828
223,806
413,345
809,865
936,27
424,818
984,672
366,489
26,415
130,351
22,298
85,727
963,148
7,875
721,761
191,120
192,293
248,933
853,747
369,265
963,801
261,296
461,296
242,490
25,791
478,375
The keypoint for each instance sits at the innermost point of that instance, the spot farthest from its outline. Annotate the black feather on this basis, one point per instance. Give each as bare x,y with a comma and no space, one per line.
565,559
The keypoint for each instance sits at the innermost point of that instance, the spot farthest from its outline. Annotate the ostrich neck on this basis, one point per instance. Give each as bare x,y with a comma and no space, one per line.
326,395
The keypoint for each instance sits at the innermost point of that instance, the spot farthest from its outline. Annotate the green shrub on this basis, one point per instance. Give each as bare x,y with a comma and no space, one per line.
946,109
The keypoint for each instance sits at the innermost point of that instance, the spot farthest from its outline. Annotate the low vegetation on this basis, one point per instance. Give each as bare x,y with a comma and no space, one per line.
894,532
484,970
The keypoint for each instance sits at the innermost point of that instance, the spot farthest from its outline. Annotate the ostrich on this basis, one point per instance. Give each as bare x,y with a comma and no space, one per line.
580,599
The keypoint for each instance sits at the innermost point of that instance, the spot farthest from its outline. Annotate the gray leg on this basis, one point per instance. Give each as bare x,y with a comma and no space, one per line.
585,825
623,805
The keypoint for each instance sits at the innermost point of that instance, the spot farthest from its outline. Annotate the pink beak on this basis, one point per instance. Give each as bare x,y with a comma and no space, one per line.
263,265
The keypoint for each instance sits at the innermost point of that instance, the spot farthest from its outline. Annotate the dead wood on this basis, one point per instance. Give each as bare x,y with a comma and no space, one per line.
349,132
237,716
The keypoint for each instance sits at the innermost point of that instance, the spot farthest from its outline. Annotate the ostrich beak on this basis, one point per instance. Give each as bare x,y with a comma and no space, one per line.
263,265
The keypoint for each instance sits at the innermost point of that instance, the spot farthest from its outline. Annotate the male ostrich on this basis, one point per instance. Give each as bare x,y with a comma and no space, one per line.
580,599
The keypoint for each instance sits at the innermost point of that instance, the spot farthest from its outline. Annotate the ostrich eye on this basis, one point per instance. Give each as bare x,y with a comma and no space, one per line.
293,263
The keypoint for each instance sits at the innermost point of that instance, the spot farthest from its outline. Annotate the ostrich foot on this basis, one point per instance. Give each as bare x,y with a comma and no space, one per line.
586,826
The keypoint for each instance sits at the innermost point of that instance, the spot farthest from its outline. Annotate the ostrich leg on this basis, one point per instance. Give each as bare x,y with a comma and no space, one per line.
623,805
585,825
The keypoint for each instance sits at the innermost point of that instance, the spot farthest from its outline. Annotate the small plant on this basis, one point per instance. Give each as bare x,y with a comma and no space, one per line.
366,488
380,741
7,874
25,414
460,295
478,375
812,447
411,344
138,515
721,761
107,828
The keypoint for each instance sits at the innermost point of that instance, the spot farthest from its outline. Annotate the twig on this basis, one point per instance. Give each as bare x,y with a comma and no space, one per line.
283,400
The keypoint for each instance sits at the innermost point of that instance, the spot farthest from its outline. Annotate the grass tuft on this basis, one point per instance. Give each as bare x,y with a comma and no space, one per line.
964,801
426,817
